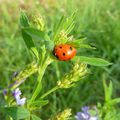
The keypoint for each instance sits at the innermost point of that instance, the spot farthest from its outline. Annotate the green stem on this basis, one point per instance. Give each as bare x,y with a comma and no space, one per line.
41,72
49,92
38,88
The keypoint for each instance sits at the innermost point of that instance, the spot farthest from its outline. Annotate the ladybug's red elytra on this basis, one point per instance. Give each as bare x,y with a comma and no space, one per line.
64,52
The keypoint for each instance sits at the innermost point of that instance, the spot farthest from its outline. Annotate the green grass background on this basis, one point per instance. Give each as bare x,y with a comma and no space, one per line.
97,20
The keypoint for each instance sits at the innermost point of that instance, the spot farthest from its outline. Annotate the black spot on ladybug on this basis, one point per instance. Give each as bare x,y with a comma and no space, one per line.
63,54
71,48
60,47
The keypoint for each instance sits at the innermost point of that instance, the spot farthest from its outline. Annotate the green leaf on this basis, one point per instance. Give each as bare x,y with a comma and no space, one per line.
30,44
79,43
39,102
114,101
35,33
24,22
16,112
65,24
108,90
27,38
34,117
69,23
85,46
94,61
59,26
41,36
49,45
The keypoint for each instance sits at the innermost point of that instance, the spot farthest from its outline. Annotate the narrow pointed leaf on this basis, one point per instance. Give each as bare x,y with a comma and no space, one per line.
65,24
69,23
94,61
80,43
59,26
105,88
39,102
108,90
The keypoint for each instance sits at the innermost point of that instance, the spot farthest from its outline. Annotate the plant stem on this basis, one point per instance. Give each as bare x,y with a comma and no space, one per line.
38,88
50,91
41,72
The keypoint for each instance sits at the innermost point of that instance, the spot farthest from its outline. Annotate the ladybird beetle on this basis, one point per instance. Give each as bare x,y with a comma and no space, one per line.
64,52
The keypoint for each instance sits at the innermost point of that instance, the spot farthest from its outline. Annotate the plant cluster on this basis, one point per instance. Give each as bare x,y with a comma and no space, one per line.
40,42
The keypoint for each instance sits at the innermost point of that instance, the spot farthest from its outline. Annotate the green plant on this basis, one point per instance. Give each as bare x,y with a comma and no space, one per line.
40,43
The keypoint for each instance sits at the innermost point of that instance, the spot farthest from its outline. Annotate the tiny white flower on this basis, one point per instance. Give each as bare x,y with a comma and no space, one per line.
21,101
16,94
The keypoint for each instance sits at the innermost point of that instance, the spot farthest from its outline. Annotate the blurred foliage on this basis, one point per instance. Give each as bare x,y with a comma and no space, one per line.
98,21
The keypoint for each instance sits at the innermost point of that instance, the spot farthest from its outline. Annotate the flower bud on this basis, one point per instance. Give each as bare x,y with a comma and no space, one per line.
39,22
78,71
